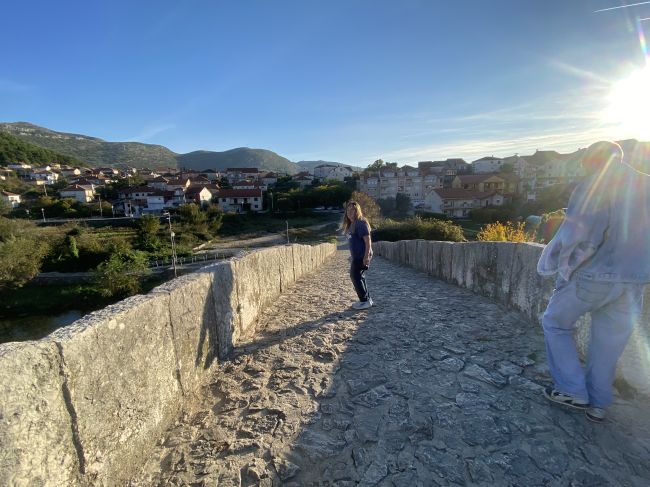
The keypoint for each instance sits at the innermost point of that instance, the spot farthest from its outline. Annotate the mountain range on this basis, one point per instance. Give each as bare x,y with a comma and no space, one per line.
97,152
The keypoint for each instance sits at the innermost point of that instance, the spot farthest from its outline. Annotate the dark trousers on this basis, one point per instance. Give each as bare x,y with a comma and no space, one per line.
357,271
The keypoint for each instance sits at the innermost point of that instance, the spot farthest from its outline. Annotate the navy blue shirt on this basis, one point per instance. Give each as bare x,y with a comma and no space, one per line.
356,232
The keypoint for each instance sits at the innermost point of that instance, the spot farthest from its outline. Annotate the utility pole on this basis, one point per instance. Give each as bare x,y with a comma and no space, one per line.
171,237
101,213
287,222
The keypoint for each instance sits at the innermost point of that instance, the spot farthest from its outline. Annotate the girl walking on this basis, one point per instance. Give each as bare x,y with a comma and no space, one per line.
357,230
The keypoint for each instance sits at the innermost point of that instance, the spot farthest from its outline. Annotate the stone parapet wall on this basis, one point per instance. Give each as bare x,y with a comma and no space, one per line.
507,273
85,404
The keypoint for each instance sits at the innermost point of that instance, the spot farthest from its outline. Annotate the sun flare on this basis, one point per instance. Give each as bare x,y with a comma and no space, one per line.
629,105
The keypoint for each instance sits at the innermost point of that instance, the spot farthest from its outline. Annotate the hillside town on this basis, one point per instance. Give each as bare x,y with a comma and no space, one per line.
452,187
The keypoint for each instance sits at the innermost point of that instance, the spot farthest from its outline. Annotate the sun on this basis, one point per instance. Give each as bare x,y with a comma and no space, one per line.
629,105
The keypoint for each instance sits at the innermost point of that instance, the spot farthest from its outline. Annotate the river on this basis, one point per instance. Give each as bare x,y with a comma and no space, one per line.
35,327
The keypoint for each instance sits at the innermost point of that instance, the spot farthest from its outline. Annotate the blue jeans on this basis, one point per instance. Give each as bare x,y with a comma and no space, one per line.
615,308
357,274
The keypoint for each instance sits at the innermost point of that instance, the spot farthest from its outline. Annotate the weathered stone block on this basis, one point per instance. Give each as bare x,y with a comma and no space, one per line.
285,266
527,290
446,261
194,326
35,424
120,368
482,260
268,276
224,295
503,271
459,264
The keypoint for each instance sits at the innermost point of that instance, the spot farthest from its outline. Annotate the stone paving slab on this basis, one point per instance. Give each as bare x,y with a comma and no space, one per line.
432,386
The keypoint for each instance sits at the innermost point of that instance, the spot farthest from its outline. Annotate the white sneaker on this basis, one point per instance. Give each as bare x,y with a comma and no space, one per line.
363,304
597,415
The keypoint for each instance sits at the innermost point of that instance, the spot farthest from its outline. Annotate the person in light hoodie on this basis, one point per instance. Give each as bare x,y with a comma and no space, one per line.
601,256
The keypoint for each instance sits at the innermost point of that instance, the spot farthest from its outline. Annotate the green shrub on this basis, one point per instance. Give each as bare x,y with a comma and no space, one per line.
417,228
503,232
121,274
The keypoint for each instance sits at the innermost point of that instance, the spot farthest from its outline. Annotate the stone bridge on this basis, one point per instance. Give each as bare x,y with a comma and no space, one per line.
434,385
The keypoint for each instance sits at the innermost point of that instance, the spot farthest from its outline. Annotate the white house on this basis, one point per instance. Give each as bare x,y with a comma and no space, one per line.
239,200
458,202
332,171
245,185
199,195
21,169
155,203
238,173
269,178
158,182
180,183
69,172
487,164
81,193
11,198
303,180
210,174
44,176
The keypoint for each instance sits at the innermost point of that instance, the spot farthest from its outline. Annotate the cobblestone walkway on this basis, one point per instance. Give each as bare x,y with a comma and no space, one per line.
432,386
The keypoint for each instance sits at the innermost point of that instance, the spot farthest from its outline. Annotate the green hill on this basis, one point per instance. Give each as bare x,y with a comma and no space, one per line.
94,151
98,152
241,157
15,150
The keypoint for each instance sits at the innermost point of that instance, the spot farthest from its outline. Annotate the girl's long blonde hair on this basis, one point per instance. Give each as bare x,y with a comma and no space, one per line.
347,223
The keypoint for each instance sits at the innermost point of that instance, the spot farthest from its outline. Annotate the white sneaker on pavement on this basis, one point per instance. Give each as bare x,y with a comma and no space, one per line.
597,415
363,304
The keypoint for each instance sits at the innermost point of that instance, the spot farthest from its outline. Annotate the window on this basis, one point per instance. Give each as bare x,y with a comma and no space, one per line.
223,200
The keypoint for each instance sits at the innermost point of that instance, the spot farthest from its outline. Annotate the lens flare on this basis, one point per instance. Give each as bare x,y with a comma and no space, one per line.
629,105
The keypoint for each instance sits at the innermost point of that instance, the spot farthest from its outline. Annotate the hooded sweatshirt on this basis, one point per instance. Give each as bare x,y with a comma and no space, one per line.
606,233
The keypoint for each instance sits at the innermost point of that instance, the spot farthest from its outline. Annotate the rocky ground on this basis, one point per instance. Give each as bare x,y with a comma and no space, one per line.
432,386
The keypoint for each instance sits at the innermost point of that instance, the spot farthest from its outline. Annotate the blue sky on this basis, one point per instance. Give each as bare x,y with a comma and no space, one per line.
339,80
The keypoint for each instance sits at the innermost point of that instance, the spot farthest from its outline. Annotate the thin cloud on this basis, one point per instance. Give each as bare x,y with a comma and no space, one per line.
577,72
621,6
471,149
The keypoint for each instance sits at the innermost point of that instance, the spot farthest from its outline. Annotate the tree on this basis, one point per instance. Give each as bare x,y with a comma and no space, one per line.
375,166
191,214
369,206
387,206
121,274
21,252
402,205
148,227
215,218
